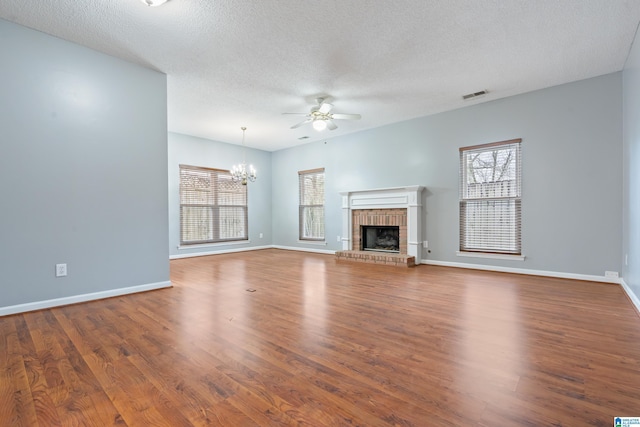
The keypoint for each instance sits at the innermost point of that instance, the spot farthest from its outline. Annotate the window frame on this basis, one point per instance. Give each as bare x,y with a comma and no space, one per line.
510,246
215,205
302,208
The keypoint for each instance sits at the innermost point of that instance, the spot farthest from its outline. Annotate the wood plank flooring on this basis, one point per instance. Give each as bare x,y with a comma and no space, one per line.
320,343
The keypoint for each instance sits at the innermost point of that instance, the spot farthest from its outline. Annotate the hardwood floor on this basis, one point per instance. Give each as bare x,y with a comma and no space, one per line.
321,343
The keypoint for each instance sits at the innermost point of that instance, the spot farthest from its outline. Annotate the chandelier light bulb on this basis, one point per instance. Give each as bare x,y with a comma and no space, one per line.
240,173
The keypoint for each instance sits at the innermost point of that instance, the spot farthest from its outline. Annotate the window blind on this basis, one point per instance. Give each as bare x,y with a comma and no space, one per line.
213,208
490,198
311,185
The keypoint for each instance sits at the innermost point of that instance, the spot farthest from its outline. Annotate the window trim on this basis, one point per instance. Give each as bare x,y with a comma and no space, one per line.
215,210
491,255
301,207
464,199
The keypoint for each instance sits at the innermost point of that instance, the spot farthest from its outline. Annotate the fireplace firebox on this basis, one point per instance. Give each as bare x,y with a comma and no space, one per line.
380,238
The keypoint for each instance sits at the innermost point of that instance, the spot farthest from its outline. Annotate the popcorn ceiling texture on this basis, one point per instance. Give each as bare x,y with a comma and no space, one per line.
233,63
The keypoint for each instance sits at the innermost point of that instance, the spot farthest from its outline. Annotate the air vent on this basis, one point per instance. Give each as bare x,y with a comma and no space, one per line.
474,95
302,138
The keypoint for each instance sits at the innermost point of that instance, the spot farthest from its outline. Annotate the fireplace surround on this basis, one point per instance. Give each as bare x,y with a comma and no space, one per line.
399,206
393,217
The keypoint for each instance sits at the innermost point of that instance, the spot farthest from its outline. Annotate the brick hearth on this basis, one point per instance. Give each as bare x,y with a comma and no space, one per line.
372,257
378,217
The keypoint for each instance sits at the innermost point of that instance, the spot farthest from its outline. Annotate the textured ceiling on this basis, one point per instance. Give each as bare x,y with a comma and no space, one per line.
233,63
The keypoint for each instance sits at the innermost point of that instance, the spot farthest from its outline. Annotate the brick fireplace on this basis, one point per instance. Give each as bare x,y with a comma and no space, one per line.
378,217
400,207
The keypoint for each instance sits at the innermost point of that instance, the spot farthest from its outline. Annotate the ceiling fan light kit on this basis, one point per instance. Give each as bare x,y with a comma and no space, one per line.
319,125
321,117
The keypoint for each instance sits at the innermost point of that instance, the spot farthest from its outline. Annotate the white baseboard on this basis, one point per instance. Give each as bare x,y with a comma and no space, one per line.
314,250
253,248
57,302
633,297
561,275
558,274
220,251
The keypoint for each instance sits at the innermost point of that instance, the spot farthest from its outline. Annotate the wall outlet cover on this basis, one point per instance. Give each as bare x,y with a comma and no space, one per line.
61,270
611,274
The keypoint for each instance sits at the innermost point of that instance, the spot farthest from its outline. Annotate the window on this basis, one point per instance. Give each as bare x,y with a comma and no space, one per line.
213,208
490,212
311,204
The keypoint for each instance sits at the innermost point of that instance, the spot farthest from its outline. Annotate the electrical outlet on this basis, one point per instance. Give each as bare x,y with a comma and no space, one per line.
338,239
261,235
425,244
611,274
626,259
61,270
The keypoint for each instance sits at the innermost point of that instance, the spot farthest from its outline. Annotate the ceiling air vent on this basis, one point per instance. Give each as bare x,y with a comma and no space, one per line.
302,138
474,95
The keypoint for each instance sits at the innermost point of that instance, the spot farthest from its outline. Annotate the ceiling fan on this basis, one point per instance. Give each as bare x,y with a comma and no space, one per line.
321,116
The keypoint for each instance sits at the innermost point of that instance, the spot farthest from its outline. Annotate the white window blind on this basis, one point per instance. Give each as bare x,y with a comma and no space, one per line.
311,221
490,198
213,208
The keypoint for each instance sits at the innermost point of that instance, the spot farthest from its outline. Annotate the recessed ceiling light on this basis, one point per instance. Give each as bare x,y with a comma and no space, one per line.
154,2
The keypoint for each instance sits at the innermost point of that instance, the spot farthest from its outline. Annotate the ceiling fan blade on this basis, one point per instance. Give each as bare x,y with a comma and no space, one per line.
325,107
301,123
346,116
331,125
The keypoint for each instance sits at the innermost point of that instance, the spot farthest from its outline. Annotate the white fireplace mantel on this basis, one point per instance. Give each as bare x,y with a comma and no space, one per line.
386,198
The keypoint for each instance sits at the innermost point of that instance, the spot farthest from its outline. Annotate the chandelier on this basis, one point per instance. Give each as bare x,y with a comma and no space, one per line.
240,173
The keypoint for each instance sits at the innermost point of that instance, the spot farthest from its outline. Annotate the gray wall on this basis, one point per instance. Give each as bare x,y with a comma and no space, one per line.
189,150
631,167
83,173
572,179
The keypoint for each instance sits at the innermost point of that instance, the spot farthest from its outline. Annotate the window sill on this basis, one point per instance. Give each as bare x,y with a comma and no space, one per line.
314,242
491,256
208,245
